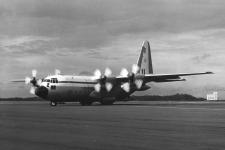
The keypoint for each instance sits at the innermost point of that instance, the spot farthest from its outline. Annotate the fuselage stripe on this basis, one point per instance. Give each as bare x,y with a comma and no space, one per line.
80,82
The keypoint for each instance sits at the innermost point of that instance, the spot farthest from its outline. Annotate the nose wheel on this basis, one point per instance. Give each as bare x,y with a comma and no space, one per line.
53,103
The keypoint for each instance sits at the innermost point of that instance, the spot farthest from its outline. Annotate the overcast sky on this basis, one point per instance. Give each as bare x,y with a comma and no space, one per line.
82,35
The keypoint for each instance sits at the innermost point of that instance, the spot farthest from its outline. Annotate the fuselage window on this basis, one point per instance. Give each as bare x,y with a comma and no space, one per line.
46,80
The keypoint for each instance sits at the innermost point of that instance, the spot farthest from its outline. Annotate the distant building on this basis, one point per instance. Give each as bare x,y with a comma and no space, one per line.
213,96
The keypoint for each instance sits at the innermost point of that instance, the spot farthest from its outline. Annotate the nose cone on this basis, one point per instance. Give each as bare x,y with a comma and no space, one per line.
41,92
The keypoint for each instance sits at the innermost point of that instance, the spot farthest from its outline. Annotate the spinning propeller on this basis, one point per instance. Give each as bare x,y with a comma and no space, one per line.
36,82
131,78
103,80
57,72
33,81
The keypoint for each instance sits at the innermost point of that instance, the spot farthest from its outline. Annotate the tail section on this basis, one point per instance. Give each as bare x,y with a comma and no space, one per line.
145,59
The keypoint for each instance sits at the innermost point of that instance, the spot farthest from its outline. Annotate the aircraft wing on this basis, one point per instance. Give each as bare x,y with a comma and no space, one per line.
18,80
169,77
162,77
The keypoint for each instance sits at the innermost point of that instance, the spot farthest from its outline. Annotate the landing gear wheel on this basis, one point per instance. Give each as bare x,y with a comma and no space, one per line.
53,103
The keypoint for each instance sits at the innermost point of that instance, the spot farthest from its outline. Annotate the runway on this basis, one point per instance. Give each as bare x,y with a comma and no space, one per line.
123,126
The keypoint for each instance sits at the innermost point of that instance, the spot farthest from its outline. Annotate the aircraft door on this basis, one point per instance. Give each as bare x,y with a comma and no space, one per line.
53,83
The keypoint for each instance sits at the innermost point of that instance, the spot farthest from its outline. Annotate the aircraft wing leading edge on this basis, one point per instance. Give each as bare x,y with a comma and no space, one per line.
160,77
169,77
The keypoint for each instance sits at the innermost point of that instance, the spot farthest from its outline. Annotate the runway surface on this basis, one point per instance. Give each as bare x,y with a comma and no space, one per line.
123,126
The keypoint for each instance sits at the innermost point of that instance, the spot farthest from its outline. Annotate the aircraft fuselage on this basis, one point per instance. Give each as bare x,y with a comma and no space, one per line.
69,88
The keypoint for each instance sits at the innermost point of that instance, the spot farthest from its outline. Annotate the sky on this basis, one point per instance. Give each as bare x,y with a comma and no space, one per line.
78,36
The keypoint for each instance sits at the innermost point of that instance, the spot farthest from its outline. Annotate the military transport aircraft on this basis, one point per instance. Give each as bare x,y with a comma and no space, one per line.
103,88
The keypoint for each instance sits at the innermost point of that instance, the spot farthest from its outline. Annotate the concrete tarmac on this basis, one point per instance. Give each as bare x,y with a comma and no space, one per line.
123,126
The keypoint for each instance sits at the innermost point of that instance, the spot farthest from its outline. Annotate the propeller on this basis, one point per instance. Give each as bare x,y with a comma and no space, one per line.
97,74
108,72
34,73
39,81
57,72
126,87
33,81
102,80
32,90
138,83
124,73
108,85
97,87
135,68
27,80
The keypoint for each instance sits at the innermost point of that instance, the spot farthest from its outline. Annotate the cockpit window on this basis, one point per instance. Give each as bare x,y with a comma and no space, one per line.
54,80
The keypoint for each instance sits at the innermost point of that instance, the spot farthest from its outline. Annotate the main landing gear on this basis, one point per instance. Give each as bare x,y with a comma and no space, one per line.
85,102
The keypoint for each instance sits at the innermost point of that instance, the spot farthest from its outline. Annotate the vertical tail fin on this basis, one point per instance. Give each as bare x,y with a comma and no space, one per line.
145,59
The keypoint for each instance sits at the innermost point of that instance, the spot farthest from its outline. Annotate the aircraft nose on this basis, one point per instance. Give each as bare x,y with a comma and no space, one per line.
41,92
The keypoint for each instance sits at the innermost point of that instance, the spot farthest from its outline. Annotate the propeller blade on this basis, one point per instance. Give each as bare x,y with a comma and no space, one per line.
138,83
27,80
32,90
108,86
97,87
97,73
39,81
126,87
34,73
124,72
108,72
57,72
135,69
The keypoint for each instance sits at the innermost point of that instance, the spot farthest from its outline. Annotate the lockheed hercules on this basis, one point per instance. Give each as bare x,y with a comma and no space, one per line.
104,88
